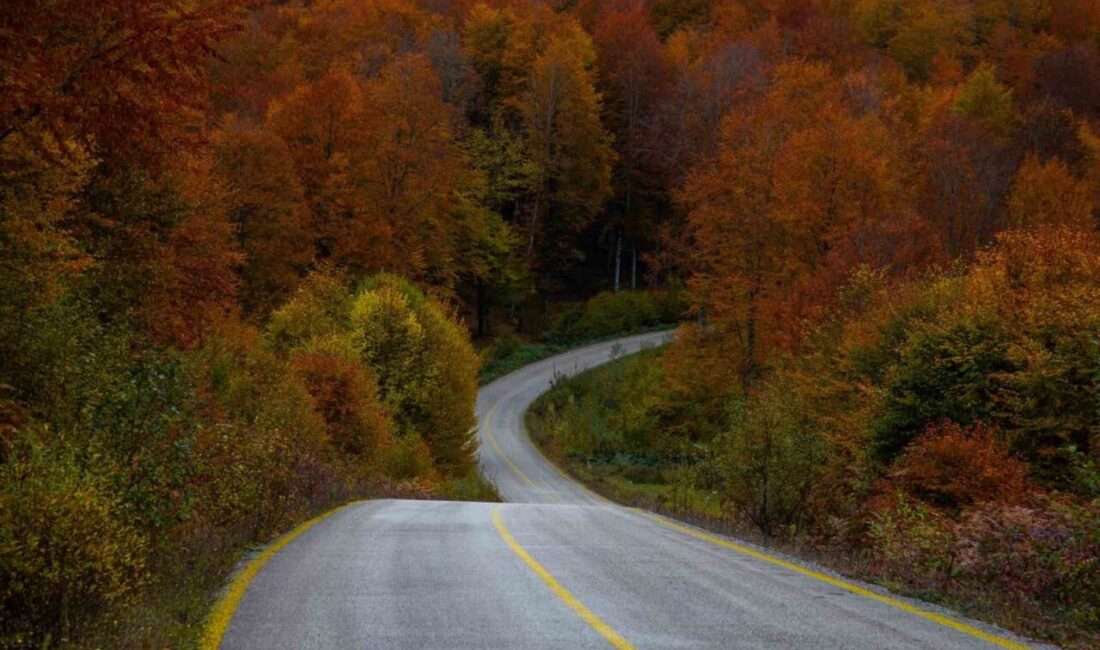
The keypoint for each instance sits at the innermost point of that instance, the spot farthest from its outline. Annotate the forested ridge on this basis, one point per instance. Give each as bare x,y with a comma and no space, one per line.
245,245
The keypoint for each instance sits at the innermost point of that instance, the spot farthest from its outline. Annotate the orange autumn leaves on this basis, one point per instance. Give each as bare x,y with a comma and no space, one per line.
808,185
117,76
802,189
379,166
428,141
94,93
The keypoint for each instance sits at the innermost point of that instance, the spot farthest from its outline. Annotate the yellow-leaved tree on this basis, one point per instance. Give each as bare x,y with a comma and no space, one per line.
425,365
413,356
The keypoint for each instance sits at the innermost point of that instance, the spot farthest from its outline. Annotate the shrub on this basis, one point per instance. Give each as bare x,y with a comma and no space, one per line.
911,541
61,358
1033,561
409,458
67,547
953,466
511,354
608,314
1048,404
319,308
1045,287
417,352
609,412
394,343
263,453
1013,342
472,487
501,348
142,423
345,394
1041,556
85,380
770,460
945,371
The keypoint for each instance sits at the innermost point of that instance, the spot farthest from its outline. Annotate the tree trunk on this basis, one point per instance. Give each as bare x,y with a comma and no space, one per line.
633,266
534,224
482,310
618,257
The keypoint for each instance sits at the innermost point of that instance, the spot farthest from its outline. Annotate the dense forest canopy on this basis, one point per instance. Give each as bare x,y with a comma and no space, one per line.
495,150
243,244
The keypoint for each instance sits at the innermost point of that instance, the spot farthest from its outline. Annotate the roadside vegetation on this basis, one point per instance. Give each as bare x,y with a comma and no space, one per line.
597,426
606,316
130,484
930,436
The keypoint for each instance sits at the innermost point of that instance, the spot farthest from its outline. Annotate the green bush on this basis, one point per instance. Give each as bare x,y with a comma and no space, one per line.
472,487
84,378
425,365
409,458
318,309
607,412
501,348
67,545
143,423
267,453
770,461
945,372
608,314
513,354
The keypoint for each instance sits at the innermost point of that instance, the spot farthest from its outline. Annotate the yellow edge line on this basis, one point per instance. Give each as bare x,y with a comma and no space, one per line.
500,452
597,623
226,607
836,582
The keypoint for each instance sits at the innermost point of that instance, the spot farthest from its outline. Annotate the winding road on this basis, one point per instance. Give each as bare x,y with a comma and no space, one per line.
558,567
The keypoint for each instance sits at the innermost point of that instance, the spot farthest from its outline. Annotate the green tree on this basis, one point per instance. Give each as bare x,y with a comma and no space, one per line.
987,101
426,367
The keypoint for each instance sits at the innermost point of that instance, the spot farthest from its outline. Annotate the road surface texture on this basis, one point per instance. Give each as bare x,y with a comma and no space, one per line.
558,567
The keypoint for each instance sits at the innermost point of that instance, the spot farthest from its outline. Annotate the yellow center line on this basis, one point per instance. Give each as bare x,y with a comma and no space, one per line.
836,582
597,623
500,452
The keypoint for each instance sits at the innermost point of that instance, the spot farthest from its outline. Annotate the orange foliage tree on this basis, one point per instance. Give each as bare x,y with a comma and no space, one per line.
1046,193
800,191
118,75
266,203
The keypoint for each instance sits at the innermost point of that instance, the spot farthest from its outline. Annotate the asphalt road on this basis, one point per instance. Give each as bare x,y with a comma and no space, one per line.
558,567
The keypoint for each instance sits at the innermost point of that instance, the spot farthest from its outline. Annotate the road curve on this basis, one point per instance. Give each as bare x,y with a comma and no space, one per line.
508,458
558,567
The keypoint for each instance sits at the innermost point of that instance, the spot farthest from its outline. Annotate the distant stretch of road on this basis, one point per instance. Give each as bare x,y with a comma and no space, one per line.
558,567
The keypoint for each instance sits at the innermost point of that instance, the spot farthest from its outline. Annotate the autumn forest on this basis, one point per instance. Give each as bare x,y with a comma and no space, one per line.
255,253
